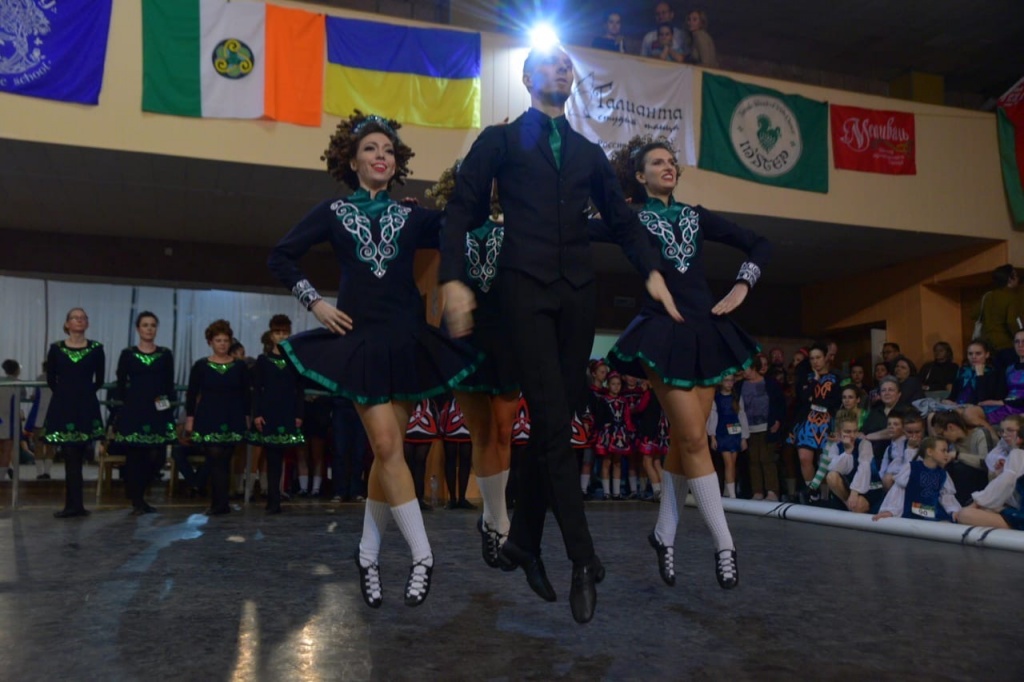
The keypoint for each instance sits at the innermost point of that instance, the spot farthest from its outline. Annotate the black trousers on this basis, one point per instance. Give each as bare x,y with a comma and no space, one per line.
551,332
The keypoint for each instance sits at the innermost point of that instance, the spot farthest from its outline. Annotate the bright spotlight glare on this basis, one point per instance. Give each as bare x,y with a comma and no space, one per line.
543,37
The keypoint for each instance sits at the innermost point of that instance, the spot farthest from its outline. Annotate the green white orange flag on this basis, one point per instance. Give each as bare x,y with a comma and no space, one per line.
239,59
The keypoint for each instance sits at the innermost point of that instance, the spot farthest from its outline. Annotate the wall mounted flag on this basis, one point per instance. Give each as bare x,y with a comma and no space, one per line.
422,76
54,49
220,59
1010,127
873,140
763,135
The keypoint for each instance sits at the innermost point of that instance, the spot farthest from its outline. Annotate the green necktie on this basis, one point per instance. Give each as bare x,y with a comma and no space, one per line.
555,139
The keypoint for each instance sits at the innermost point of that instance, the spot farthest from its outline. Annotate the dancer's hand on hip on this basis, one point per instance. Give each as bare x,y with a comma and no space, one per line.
732,300
658,290
332,318
459,303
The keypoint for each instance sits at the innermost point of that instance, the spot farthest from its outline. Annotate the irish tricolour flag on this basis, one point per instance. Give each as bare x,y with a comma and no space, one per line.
239,59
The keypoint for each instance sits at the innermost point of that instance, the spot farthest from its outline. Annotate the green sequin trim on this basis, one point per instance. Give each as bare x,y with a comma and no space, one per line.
280,363
683,383
220,366
76,354
147,360
281,438
485,388
217,438
147,437
337,391
70,434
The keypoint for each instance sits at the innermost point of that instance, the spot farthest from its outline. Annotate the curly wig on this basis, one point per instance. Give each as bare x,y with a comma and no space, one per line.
441,192
629,160
218,327
345,141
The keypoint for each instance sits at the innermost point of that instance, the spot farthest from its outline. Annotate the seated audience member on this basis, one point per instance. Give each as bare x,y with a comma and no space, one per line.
897,456
978,386
663,14
1009,440
853,473
664,49
906,373
1001,503
859,380
896,449
875,428
937,375
881,371
923,490
829,452
969,446
853,401
890,351
1013,385
702,47
612,39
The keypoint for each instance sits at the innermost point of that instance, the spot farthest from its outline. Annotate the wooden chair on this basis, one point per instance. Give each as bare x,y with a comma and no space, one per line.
195,460
105,463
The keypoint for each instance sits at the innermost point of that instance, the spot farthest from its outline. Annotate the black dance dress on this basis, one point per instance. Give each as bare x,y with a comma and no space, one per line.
391,353
145,388
494,375
218,401
74,375
704,347
277,396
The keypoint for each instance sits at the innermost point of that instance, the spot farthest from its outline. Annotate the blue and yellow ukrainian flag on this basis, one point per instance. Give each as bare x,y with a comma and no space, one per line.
422,76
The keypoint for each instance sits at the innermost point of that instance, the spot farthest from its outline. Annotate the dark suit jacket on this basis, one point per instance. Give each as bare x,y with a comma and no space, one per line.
546,229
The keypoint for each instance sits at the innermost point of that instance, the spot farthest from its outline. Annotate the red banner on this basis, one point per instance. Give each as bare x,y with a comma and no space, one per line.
873,141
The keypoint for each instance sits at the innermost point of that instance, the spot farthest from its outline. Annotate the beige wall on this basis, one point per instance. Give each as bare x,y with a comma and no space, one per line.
958,189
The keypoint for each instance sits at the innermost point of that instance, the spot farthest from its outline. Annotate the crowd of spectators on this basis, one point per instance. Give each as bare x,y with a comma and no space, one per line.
667,41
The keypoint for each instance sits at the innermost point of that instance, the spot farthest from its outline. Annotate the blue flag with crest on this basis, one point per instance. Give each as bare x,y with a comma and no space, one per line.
54,48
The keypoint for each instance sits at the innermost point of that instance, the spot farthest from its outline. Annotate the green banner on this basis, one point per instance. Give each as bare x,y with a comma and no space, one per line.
762,135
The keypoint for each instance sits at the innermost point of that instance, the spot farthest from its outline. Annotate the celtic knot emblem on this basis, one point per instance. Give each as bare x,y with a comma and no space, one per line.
233,59
679,251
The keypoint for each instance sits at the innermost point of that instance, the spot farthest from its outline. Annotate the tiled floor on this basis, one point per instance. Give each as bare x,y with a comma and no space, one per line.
248,597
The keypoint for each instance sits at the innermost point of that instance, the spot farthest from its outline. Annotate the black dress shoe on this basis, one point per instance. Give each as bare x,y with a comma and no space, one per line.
726,569
666,560
369,583
451,504
490,541
465,504
533,567
583,594
70,513
417,587
218,511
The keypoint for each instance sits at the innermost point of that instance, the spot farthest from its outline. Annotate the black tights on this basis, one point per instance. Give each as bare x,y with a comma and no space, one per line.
74,456
218,461
460,455
416,457
275,465
141,465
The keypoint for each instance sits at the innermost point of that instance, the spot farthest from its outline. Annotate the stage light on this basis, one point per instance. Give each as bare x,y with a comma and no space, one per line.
543,37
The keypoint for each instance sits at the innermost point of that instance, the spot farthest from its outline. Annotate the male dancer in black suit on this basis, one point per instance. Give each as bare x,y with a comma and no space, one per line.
546,173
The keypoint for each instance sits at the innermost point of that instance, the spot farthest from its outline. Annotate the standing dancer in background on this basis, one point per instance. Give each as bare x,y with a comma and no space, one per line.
74,372
729,430
458,454
277,408
547,174
145,419
217,411
421,432
377,348
685,360
490,396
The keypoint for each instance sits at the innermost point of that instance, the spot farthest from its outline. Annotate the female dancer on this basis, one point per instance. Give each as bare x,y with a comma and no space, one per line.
728,428
457,454
217,411
490,396
685,360
377,348
422,431
615,421
74,372
145,419
277,408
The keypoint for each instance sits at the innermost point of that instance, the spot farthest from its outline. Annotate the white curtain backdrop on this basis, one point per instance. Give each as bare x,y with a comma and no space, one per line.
23,323
32,314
